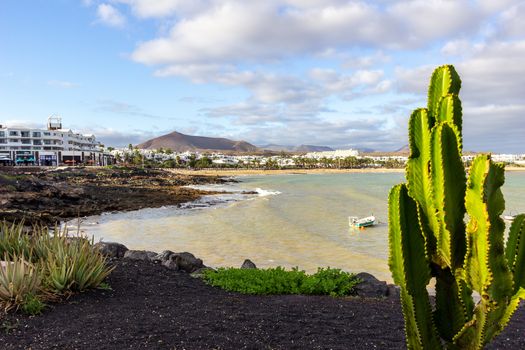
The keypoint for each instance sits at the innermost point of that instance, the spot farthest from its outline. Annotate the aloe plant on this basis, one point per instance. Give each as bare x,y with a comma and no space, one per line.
429,240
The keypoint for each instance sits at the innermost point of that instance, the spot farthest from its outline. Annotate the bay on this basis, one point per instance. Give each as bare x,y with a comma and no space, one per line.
295,220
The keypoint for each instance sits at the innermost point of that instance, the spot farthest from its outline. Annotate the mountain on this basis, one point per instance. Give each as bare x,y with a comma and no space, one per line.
404,149
178,142
301,148
311,148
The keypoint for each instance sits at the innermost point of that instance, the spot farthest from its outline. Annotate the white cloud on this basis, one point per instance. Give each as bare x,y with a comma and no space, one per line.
511,21
346,50
239,31
164,8
110,16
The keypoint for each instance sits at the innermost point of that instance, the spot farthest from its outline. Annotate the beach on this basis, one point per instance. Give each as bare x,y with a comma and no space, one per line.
251,172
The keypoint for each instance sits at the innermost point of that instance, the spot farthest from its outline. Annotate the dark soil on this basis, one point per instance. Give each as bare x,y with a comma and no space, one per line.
152,307
47,196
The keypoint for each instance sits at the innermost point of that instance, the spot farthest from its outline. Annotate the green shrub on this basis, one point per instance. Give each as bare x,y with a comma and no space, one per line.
32,305
73,265
13,242
43,265
279,281
18,280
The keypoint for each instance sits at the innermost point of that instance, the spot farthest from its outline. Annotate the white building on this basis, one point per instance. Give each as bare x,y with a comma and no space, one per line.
340,153
52,146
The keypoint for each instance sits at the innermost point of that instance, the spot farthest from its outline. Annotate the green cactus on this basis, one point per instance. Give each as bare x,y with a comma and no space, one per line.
428,238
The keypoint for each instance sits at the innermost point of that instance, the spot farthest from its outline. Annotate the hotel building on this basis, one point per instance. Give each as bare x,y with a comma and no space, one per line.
49,147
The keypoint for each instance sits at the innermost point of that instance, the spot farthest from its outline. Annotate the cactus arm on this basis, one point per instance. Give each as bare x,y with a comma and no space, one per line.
515,251
445,80
418,173
448,183
450,111
410,269
485,262
453,305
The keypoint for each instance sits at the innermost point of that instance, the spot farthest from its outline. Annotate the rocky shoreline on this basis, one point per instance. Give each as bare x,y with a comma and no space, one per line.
46,197
156,302
370,286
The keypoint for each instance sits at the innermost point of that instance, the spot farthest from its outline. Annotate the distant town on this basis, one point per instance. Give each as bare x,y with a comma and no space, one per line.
58,146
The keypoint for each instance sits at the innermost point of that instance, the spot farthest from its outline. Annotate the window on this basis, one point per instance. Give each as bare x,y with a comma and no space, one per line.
26,142
24,133
13,140
37,142
37,134
47,134
13,133
3,141
2,133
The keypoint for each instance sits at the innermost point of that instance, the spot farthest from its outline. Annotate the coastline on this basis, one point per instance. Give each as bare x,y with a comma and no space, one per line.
250,172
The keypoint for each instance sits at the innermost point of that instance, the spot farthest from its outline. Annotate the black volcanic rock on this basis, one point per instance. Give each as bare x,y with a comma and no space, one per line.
181,143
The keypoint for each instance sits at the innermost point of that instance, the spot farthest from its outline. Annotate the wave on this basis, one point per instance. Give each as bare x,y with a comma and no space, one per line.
265,193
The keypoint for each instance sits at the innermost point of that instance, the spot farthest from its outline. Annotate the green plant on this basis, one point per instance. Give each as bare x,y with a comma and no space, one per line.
72,264
41,265
428,238
19,280
32,305
279,281
13,241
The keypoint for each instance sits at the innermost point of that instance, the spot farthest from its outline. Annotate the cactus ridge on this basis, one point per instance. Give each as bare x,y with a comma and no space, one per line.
428,237
515,251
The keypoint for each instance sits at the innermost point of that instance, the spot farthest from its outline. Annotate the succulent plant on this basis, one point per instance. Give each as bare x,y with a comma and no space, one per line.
429,240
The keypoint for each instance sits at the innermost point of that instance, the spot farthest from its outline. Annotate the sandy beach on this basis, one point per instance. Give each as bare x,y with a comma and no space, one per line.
247,172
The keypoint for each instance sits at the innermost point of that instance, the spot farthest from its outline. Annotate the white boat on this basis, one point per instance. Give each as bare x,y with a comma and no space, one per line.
509,217
354,221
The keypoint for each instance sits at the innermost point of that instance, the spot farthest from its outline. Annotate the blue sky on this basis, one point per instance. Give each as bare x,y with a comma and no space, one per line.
323,72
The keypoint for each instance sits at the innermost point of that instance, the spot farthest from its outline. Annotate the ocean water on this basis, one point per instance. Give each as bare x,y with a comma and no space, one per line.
294,220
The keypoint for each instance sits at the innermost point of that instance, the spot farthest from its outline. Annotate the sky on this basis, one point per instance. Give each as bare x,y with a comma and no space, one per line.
319,72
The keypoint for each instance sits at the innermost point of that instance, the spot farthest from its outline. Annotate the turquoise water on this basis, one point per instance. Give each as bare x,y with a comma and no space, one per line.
297,220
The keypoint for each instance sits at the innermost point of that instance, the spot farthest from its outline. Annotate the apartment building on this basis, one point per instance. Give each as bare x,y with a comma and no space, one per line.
49,147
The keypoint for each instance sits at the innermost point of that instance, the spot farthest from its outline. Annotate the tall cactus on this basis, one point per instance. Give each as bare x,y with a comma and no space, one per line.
428,238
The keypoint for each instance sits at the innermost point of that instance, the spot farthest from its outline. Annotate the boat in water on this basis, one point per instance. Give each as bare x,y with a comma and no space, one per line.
354,221
509,217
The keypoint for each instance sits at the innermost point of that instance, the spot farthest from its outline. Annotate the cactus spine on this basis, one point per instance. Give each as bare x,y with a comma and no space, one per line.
428,237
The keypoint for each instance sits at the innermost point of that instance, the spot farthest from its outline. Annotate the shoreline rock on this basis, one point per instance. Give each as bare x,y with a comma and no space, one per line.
370,286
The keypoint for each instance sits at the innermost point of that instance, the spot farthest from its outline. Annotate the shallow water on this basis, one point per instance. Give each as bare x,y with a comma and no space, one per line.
295,220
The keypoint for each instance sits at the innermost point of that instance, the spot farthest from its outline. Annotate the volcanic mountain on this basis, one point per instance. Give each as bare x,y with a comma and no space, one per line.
178,142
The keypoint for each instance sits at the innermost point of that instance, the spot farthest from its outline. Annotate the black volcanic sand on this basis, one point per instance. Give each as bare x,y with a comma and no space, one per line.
40,196
151,307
